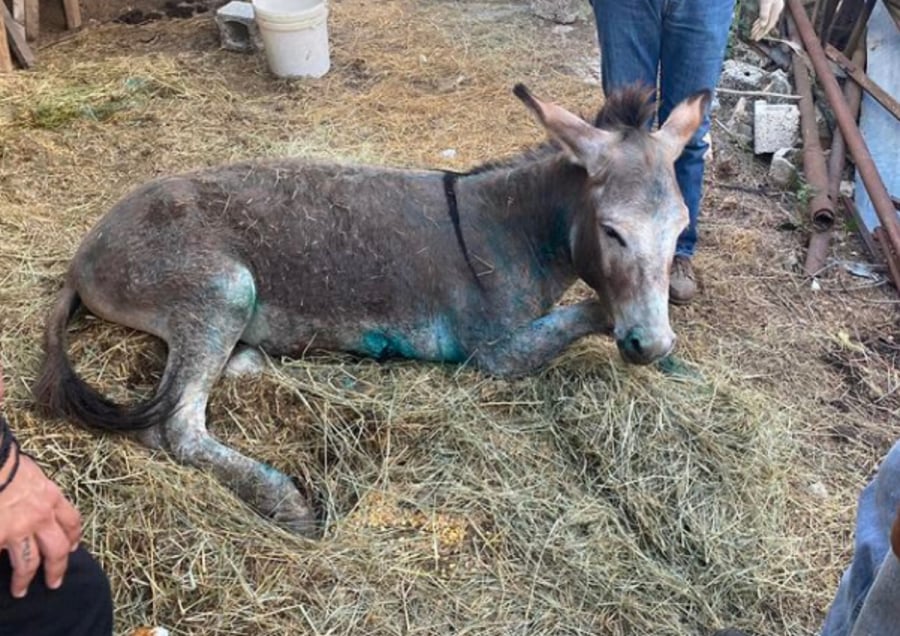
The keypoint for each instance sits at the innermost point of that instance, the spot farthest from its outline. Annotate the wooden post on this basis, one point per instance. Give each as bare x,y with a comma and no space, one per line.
5,60
32,19
18,11
16,38
73,13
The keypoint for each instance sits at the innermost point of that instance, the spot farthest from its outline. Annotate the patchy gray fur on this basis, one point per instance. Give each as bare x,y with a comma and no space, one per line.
291,256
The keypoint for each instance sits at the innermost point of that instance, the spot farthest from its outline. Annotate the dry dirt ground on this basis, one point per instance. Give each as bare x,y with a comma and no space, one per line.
591,498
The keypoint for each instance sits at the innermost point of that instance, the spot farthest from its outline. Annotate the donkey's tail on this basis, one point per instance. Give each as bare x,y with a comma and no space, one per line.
60,392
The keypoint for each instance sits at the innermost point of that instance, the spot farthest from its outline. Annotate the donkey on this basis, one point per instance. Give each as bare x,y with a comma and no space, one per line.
288,256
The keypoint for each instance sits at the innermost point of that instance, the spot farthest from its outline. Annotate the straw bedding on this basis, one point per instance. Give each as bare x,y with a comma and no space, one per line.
589,498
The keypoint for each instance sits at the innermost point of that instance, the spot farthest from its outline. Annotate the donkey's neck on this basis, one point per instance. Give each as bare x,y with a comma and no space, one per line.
536,200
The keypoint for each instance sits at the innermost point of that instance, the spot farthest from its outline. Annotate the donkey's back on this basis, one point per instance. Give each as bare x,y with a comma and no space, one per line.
353,258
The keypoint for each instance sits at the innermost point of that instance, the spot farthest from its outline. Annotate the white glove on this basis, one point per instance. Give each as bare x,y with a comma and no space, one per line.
769,12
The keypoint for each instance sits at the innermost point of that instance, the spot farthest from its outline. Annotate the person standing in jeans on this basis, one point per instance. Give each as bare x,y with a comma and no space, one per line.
867,602
680,43
49,584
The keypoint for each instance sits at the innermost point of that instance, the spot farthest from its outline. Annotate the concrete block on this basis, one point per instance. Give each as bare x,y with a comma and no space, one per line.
739,122
847,189
237,27
782,171
742,76
778,82
775,126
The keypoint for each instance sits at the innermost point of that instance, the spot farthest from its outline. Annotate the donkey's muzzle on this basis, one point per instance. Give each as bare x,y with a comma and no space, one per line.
640,346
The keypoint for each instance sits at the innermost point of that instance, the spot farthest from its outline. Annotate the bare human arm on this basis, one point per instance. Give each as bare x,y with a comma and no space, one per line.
37,523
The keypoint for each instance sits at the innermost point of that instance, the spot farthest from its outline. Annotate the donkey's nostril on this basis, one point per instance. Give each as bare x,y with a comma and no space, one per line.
633,344
639,346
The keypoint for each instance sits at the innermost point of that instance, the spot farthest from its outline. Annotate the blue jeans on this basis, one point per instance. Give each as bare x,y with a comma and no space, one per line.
682,42
872,560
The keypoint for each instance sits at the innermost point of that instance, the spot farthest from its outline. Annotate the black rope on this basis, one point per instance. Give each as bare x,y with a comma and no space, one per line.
453,207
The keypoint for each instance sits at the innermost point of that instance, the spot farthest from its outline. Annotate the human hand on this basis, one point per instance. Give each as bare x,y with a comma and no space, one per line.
37,524
769,12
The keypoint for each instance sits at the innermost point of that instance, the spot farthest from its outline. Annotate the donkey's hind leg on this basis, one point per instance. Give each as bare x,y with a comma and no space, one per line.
201,340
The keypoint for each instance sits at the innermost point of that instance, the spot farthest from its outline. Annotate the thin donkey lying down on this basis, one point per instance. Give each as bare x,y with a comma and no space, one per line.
289,256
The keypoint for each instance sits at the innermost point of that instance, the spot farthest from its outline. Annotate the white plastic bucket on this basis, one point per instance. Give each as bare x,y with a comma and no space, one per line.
295,36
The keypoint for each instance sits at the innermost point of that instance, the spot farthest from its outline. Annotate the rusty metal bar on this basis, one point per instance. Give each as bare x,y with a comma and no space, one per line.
891,256
817,252
845,19
826,17
859,29
837,157
820,206
859,76
881,200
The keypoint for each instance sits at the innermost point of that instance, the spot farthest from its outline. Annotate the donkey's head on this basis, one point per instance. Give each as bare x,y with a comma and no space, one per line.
631,211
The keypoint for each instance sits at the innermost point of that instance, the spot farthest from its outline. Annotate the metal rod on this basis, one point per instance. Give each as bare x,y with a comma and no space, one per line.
859,28
837,158
838,32
881,200
821,208
815,15
826,19
891,256
855,72
817,252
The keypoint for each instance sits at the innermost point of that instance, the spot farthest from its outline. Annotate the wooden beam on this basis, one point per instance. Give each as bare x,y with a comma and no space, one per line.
17,41
6,65
73,13
32,19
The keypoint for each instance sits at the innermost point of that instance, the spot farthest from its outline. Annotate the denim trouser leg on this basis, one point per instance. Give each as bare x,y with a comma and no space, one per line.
681,41
877,508
630,36
880,614
693,49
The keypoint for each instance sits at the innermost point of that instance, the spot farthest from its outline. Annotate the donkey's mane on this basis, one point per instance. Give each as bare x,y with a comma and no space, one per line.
627,108
528,156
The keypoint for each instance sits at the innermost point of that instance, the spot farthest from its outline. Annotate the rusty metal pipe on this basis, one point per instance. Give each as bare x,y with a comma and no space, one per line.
890,257
836,160
881,200
856,35
821,208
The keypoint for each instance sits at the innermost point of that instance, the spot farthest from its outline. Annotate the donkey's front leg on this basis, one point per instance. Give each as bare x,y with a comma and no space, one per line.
540,341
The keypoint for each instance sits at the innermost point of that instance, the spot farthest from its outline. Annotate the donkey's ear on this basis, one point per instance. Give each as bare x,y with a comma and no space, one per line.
683,122
582,143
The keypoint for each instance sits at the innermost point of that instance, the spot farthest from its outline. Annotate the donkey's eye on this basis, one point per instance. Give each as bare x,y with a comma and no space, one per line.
611,233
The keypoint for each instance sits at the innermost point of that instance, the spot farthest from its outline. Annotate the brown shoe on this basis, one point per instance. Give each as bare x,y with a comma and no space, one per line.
682,285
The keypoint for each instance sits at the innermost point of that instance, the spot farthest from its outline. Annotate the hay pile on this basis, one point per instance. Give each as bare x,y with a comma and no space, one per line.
591,498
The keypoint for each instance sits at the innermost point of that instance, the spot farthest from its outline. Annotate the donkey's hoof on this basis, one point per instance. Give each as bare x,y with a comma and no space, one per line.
304,524
245,361
293,514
